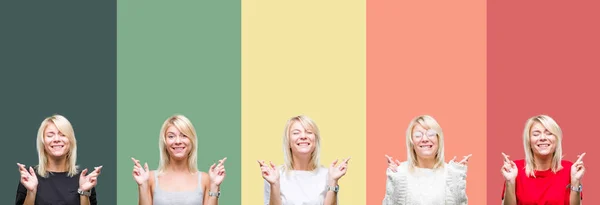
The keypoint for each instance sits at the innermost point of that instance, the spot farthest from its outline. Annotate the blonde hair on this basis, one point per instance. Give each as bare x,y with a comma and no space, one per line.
551,126
64,126
308,124
426,122
184,126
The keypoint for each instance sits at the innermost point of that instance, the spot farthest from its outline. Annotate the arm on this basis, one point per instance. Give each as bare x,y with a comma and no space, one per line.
27,189
577,170
145,191
458,174
334,174
91,200
24,196
510,197
30,199
396,187
331,196
209,187
84,200
575,197
272,193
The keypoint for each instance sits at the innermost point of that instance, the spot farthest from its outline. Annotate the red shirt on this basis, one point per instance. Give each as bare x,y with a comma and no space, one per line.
547,188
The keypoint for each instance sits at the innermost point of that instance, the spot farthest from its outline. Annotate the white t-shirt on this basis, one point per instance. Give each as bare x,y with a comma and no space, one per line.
301,187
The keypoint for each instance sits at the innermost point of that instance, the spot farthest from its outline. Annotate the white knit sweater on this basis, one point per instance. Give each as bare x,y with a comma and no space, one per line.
446,185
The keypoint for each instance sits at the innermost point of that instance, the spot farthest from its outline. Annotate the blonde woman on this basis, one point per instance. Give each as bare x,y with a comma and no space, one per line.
56,180
424,178
302,180
177,180
543,177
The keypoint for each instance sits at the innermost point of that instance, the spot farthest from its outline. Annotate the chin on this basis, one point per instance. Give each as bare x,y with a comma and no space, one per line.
303,151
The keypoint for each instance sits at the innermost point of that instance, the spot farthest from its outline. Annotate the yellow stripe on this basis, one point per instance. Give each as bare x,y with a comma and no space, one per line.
304,57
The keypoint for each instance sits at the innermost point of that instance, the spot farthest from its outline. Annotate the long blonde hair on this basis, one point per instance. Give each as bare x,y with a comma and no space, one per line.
64,126
308,124
426,122
551,126
184,125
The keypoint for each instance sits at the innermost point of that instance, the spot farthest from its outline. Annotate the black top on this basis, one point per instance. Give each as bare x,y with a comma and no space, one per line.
57,189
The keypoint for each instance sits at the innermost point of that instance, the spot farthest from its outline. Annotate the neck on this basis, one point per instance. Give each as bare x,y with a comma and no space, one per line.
57,164
427,163
178,165
301,162
542,163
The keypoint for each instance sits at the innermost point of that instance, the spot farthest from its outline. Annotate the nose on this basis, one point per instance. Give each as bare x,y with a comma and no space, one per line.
302,136
177,140
55,138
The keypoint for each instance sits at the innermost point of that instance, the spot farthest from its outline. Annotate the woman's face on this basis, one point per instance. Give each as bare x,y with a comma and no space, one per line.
178,145
302,140
425,142
56,144
542,141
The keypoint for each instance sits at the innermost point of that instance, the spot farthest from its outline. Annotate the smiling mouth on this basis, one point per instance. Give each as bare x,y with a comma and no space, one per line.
426,146
57,146
303,144
178,148
543,145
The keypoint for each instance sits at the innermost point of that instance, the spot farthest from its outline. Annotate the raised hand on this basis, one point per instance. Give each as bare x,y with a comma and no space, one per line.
217,172
28,178
337,171
392,165
577,169
88,182
464,161
509,169
269,172
140,175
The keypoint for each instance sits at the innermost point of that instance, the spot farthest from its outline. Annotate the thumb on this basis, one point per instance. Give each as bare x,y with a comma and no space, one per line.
146,167
31,171
212,166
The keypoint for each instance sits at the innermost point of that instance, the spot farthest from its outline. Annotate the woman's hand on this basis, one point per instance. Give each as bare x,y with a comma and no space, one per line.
577,170
88,182
140,175
217,172
28,178
338,171
509,170
464,161
392,165
269,172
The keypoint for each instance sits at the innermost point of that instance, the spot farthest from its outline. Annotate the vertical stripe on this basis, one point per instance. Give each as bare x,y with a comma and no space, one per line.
426,58
303,58
179,58
58,58
542,59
